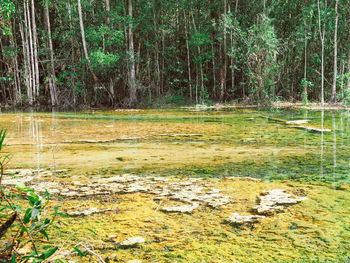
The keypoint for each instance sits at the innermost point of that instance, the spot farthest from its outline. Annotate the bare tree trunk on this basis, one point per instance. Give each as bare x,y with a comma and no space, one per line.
26,50
132,76
348,83
200,64
213,17
82,31
17,89
224,69
305,65
334,86
31,50
108,9
188,59
163,63
138,55
21,30
232,57
19,86
322,140
214,71
156,55
342,80
111,84
111,90
36,60
86,54
52,78
72,51
322,33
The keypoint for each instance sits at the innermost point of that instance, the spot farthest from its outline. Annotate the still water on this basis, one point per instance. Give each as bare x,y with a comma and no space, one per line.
183,142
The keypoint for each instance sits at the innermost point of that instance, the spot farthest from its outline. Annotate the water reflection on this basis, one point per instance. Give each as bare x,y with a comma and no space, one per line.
334,146
35,131
322,140
234,143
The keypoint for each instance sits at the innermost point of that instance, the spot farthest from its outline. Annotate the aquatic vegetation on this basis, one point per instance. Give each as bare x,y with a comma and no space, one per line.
214,146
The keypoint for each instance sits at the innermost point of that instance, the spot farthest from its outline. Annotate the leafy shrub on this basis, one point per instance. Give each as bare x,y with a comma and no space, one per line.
24,219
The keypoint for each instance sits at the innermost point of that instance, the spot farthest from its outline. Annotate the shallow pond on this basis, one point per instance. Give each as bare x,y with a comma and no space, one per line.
103,146
184,142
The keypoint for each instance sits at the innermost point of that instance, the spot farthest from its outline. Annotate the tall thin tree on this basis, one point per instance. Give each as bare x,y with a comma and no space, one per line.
52,75
132,75
322,33
334,86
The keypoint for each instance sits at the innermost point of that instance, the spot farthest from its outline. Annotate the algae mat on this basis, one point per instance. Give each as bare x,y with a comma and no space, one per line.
184,144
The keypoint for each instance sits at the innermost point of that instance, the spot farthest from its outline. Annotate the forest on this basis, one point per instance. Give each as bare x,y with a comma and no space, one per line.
138,53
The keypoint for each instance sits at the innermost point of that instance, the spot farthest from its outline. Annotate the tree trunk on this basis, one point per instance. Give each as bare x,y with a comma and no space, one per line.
82,31
17,88
26,50
224,69
305,65
232,57
36,63
86,54
334,86
111,84
163,63
132,76
72,52
200,64
342,80
322,33
188,59
108,9
31,51
348,82
214,71
52,78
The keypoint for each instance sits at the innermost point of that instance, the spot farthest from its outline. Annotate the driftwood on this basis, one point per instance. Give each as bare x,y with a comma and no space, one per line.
297,124
7,224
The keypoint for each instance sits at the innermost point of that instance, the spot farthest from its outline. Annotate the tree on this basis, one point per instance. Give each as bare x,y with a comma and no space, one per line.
334,86
52,76
322,33
132,74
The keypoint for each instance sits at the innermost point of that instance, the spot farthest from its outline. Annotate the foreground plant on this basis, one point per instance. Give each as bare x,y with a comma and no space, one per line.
24,220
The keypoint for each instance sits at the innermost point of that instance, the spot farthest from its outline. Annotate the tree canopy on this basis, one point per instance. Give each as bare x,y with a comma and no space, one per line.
136,52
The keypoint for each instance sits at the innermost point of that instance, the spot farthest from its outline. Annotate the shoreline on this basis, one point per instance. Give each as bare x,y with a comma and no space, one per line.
218,106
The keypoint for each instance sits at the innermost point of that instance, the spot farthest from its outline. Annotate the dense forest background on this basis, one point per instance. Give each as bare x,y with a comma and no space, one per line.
131,53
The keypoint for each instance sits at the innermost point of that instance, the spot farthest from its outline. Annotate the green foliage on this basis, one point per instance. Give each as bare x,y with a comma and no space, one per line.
24,218
305,84
346,99
101,61
262,60
7,8
176,45
176,99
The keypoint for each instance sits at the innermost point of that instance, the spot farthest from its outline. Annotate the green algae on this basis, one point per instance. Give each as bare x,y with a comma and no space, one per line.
308,232
255,142
238,142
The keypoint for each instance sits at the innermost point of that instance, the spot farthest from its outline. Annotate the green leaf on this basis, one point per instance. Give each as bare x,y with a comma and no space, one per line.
64,215
13,259
79,251
45,234
27,216
48,253
92,231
